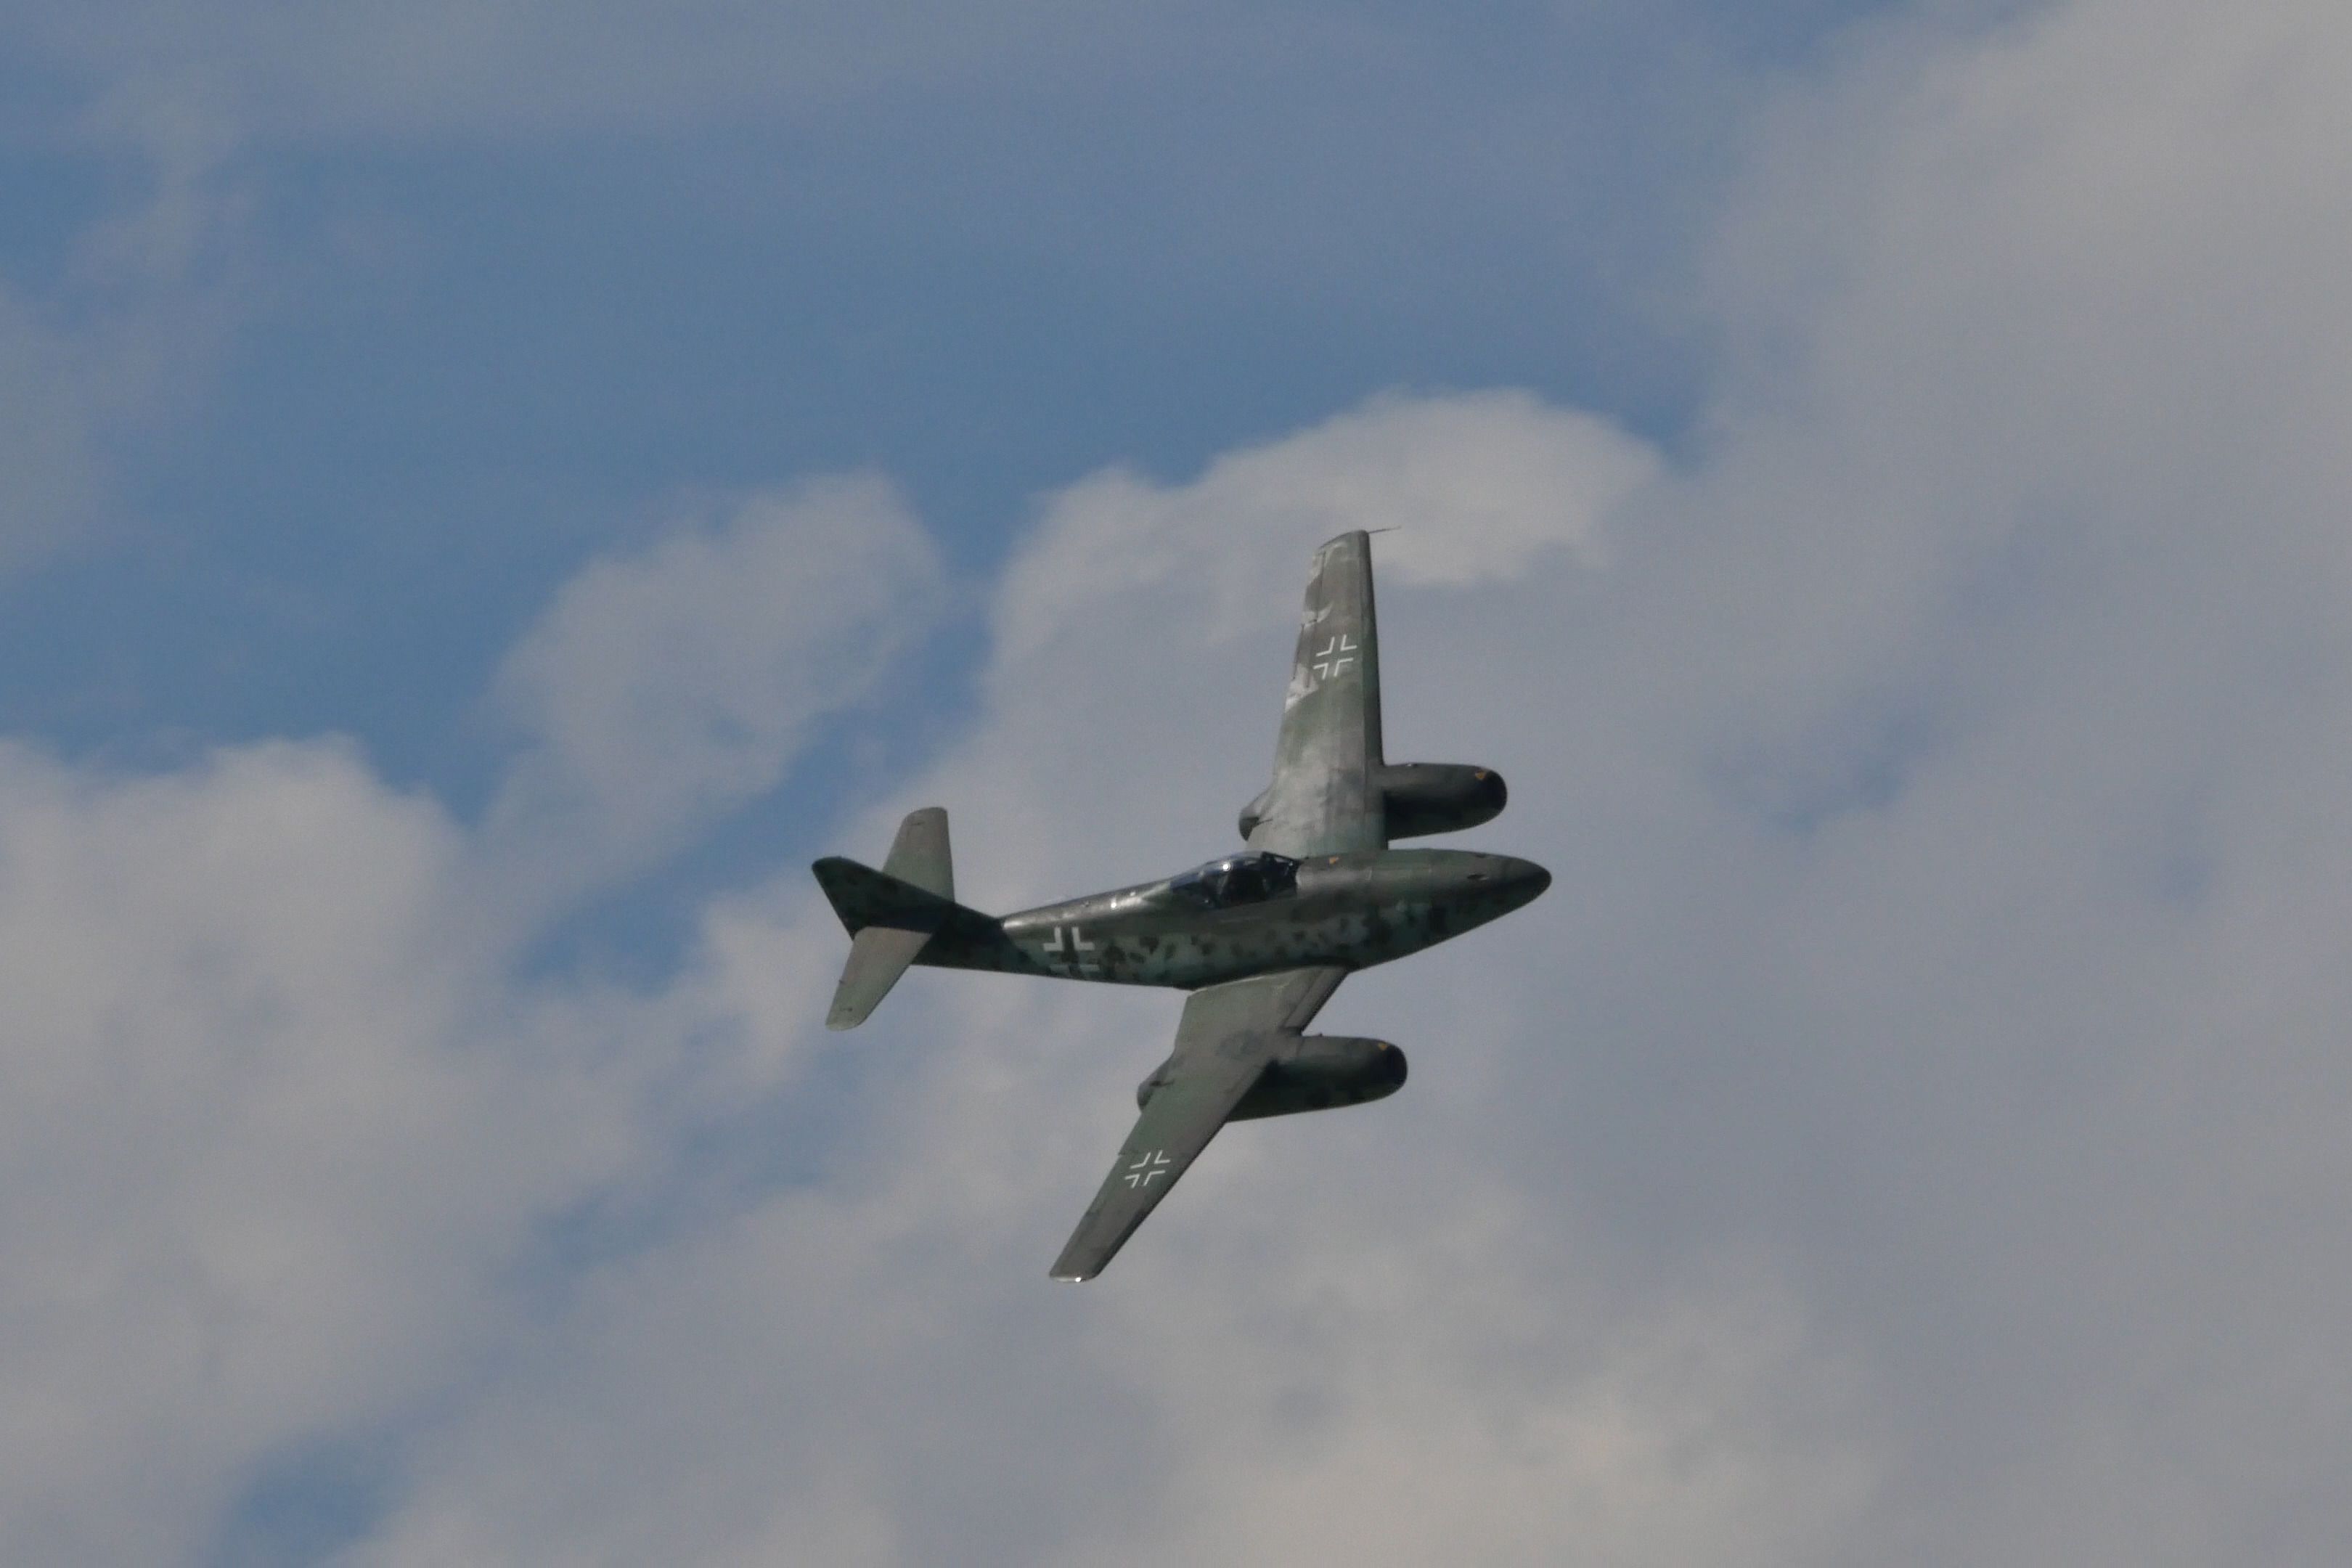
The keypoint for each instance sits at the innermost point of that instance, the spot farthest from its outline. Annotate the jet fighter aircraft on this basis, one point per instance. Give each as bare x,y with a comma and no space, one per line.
1260,939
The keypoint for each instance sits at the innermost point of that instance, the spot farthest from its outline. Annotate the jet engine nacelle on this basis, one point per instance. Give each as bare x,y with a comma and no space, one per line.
1312,1072
1422,798
1438,797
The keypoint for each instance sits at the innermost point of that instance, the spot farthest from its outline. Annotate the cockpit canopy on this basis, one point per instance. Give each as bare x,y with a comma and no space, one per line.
1236,879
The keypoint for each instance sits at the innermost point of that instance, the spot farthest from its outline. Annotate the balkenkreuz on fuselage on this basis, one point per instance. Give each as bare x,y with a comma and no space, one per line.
1249,913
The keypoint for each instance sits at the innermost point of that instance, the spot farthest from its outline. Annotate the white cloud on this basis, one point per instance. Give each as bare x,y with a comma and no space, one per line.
1477,485
283,1130
264,1144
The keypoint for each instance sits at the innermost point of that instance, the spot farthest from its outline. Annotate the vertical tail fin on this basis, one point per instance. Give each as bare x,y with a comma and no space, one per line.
891,913
920,854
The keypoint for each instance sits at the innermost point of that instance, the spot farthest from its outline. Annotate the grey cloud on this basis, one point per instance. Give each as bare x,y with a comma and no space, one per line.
660,690
262,1153
409,70
95,357
1930,1050
288,1144
76,383
873,1358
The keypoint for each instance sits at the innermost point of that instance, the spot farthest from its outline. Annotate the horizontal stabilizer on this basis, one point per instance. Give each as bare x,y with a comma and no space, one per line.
889,922
877,956
864,897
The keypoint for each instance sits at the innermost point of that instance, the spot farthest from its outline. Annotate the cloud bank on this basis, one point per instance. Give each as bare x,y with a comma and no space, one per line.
1910,1128
660,690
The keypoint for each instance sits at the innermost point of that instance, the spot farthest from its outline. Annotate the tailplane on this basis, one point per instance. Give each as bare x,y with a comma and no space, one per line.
890,914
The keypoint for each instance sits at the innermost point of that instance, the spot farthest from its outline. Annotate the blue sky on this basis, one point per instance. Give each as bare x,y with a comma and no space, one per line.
425,370
495,489
414,372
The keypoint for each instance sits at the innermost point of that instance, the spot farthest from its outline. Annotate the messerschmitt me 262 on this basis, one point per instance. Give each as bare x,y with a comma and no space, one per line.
1260,939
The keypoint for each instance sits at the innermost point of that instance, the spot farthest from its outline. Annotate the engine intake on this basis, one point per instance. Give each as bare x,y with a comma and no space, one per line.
1310,1072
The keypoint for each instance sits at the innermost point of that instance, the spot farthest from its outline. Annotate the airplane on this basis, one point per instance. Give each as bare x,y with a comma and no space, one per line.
1261,939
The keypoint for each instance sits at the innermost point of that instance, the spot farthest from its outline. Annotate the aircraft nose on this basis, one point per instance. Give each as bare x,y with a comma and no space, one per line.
1523,881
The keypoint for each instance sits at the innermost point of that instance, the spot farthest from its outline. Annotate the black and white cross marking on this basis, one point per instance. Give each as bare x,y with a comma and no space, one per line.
1146,1167
1343,647
1070,946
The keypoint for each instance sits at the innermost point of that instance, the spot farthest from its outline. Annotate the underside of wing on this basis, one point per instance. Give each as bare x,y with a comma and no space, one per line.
1323,800
1228,1034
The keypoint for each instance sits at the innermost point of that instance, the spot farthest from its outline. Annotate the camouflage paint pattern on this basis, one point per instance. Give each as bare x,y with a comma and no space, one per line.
1323,799
1349,910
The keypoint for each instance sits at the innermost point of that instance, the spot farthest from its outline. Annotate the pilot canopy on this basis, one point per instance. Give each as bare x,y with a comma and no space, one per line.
1236,879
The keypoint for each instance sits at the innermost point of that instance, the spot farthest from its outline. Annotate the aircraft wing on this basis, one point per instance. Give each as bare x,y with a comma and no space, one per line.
1323,800
1228,1034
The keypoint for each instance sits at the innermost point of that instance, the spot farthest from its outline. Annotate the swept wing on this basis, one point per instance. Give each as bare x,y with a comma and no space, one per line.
1228,1034
1324,800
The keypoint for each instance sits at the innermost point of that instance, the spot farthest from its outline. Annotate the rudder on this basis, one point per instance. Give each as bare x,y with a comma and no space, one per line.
920,854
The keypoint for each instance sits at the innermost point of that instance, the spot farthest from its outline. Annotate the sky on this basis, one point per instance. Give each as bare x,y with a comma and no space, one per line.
493,490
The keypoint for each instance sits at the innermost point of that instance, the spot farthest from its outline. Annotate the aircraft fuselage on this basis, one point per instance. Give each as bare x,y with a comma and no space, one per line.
1355,911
